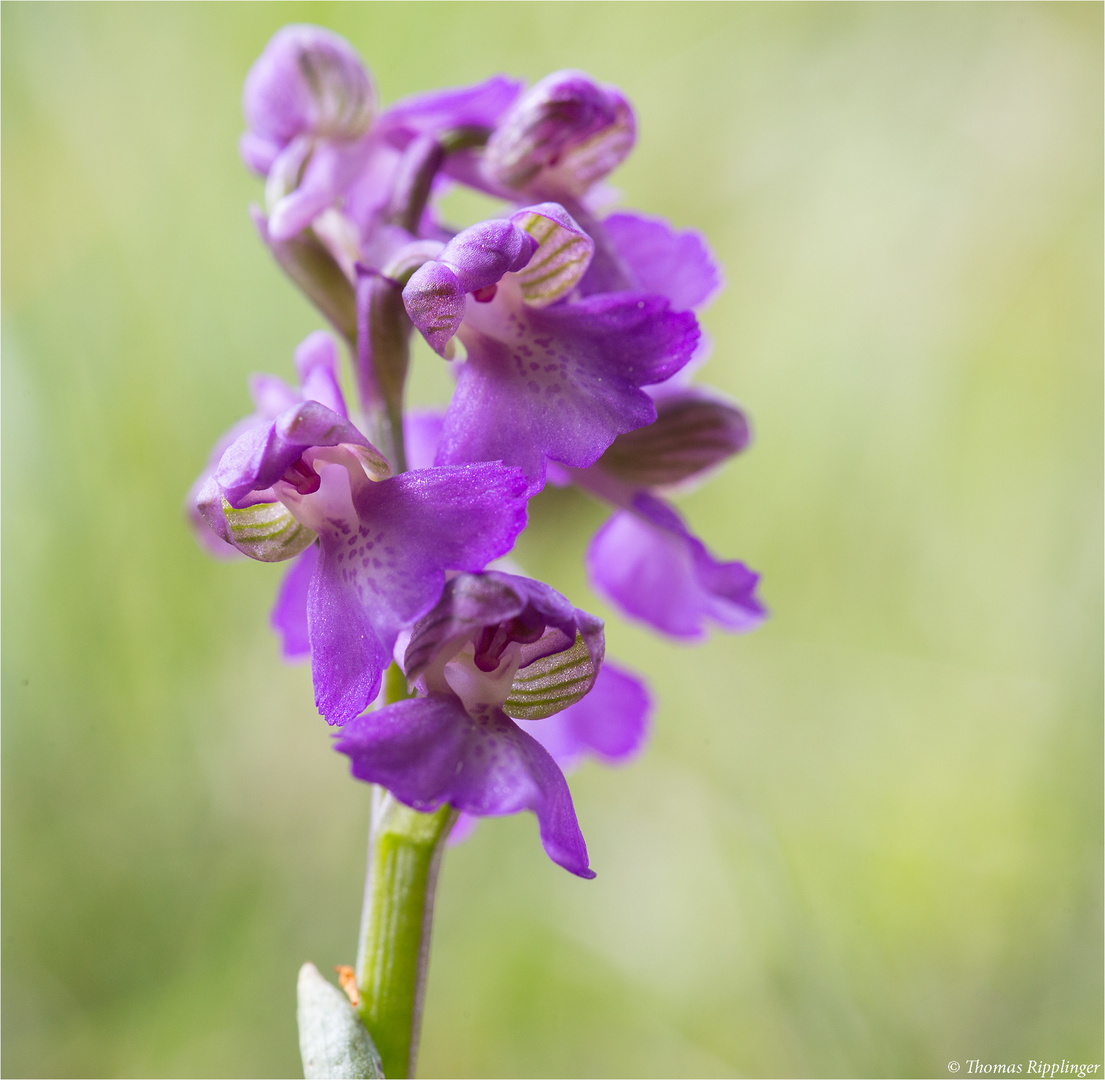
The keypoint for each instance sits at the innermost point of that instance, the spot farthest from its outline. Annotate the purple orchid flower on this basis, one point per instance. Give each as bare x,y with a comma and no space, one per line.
546,376
497,648
315,132
309,102
384,541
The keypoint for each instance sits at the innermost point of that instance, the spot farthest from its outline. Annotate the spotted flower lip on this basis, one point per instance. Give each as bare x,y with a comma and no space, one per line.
546,376
560,137
384,542
429,751
496,647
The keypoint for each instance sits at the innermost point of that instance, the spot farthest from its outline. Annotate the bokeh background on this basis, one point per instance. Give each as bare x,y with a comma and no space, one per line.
864,841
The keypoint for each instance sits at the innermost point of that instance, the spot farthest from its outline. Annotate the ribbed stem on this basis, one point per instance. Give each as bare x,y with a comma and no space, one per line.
405,853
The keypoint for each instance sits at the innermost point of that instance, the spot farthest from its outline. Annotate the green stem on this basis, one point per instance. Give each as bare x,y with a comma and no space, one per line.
406,850
404,854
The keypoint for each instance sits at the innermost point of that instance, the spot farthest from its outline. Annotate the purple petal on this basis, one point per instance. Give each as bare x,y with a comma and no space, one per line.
213,537
462,829
482,253
203,508
311,80
422,433
271,395
561,382
610,723
436,294
435,301
258,152
647,562
386,568
678,265
439,111
479,105
429,751
260,457
347,656
289,613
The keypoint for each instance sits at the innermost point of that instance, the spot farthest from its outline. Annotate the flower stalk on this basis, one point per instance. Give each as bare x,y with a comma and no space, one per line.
405,852
404,856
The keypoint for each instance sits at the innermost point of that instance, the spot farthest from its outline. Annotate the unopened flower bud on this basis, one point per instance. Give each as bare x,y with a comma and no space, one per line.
307,81
564,134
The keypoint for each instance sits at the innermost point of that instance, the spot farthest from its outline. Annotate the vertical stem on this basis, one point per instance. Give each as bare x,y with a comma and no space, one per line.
404,858
404,855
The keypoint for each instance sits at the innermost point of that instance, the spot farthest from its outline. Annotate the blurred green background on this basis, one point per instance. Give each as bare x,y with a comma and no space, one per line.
864,841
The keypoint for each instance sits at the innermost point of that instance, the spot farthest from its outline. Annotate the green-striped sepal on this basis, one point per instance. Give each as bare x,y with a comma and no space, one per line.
266,532
692,434
563,254
552,683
